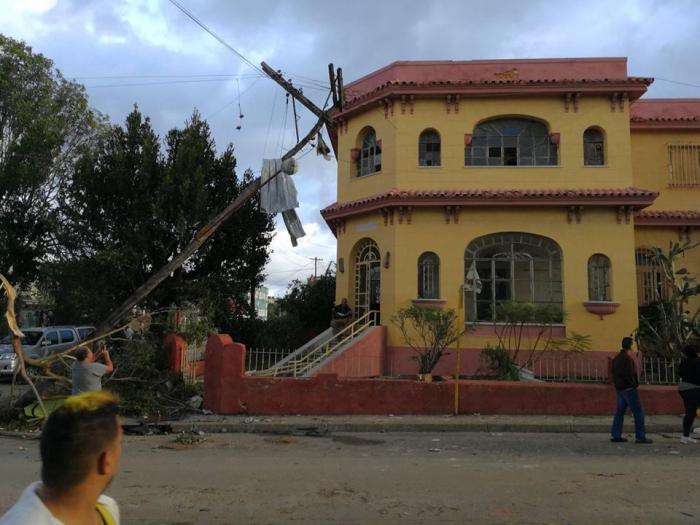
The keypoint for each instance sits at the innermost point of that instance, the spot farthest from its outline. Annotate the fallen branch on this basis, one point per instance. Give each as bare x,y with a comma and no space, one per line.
17,337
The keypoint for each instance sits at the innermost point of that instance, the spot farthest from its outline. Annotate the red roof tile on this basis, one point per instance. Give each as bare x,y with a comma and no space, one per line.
667,218
665,113
636,197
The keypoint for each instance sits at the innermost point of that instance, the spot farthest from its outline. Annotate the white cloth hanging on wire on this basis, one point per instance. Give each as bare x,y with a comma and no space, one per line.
279,194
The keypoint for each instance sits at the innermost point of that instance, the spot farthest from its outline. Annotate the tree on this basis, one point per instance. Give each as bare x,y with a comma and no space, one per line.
130,208
668,324
429,332
303,313
45,122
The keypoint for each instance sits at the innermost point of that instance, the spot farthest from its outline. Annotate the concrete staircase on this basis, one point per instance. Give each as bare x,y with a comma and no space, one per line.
306,360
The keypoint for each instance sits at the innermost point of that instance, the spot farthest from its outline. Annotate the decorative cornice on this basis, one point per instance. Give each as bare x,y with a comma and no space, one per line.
662,123
667,218
634,87
632,198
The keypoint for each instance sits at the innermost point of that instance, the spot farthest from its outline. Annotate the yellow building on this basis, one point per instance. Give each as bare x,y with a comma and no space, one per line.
466,184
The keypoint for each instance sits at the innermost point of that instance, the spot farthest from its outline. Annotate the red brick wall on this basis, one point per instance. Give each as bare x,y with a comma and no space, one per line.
365,358
228,391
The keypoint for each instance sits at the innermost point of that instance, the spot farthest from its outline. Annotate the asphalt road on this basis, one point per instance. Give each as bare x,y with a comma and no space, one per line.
393,478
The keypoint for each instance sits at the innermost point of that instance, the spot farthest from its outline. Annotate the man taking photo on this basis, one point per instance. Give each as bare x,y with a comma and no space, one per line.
87,373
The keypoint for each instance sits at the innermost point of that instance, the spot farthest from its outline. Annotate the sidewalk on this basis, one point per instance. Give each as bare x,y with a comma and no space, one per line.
319,425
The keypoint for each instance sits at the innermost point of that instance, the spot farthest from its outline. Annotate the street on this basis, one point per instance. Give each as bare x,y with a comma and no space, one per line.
391,478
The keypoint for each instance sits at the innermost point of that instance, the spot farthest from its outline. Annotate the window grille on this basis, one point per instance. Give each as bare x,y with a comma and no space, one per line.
510,267
593,148
370,154
652,284
367,278
429,148
511,142
599,278
429,276
684,164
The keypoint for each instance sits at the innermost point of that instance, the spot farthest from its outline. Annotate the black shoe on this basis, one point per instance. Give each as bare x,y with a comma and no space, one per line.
645,441
619,440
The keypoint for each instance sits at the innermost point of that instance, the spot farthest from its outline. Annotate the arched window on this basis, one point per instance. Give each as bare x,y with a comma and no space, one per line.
429,276
370,154
511,142
652,284
593,147
510,267
599,278
429,148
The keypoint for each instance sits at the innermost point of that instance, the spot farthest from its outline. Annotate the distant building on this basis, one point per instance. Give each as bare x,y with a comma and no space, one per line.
261,302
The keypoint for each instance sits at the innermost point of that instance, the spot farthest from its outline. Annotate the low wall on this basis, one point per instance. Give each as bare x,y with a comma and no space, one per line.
228,391
176,346
365,358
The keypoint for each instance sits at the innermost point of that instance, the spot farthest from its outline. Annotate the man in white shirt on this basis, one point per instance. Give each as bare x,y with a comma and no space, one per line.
80,455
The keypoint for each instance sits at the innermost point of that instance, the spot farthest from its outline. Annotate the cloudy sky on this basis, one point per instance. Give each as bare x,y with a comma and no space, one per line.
149,53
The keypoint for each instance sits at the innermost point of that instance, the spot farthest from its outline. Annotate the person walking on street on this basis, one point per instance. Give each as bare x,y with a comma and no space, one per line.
80,454
87,374
624,372
689,389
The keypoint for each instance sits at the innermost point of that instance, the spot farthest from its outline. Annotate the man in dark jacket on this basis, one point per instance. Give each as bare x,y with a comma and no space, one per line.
624,373
342,315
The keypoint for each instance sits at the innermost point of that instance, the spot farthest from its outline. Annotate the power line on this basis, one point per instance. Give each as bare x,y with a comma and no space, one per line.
212,33
213,75
677,82
165,82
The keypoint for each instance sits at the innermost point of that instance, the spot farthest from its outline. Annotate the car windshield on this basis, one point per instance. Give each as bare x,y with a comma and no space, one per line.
29,339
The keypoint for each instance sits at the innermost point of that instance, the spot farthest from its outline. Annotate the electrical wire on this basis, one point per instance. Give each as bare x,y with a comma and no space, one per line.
213,34
160,83
677,82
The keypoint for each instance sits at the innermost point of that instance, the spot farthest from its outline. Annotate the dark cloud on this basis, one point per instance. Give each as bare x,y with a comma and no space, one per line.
150,37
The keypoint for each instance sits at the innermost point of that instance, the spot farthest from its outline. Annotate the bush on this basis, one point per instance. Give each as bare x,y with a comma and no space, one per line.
428,331
499,361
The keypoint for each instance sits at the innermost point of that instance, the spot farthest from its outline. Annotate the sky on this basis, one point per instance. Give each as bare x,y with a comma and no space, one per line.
147,52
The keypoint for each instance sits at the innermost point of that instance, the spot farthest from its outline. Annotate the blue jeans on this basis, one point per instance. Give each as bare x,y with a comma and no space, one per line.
628,398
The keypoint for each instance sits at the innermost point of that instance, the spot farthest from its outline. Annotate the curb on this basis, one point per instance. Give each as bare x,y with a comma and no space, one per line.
323,428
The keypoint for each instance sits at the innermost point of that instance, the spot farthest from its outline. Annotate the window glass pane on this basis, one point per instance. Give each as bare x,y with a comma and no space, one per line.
510,156
67,336
52,338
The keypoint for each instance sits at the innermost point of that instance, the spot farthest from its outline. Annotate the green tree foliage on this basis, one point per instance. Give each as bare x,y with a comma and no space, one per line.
429,332
131,207
45,123
303,313
668,324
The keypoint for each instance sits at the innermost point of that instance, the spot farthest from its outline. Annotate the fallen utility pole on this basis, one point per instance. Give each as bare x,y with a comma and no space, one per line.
202,235
298,95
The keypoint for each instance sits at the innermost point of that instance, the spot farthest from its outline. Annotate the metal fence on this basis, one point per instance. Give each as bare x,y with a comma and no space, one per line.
264,358
659,371
193,352
569,369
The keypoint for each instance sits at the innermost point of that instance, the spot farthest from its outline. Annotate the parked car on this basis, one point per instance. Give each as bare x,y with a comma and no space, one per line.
37,343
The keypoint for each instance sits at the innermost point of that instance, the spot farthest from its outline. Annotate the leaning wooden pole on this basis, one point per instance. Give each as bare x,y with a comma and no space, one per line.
202,235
